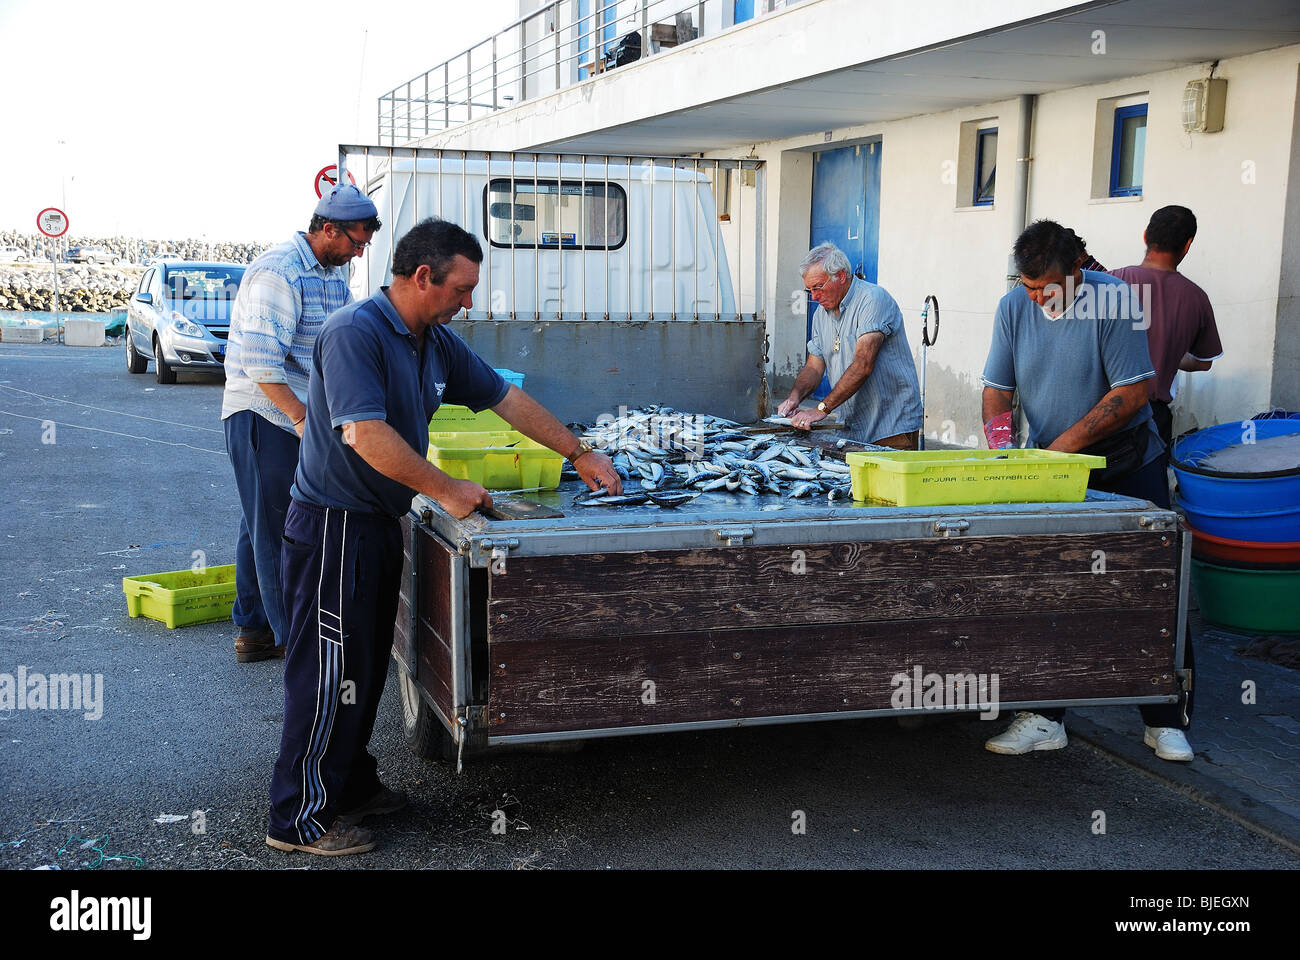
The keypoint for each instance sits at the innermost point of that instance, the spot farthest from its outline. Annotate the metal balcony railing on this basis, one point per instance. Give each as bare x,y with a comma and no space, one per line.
557,45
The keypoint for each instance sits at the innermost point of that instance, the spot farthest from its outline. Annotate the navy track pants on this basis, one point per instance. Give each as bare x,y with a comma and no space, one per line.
341,573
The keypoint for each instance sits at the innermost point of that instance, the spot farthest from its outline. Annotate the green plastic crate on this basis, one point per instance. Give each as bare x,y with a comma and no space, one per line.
916,478
504,460
182,597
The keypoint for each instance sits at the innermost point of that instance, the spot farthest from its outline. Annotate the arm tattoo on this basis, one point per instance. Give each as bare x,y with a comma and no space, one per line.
1103,415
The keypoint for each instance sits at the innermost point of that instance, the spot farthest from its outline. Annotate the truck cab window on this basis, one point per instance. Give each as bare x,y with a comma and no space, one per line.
567,215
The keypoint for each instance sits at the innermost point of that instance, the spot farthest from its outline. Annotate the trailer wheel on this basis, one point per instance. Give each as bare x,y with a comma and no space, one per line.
425,734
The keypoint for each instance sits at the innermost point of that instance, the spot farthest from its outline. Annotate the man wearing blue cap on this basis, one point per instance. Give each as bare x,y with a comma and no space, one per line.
284,299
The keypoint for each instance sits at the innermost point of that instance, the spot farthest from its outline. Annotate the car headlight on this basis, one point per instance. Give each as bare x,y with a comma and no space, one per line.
186,328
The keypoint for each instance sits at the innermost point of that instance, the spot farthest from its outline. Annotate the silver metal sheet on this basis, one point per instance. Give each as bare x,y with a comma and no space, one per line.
607,358
459,640
715,519
1184,584
1004,710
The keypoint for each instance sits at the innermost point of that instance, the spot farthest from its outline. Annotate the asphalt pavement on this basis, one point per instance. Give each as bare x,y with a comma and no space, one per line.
107,475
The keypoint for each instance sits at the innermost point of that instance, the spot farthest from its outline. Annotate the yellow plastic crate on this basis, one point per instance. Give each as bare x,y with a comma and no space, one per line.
453,418
915,478
502,460
182,597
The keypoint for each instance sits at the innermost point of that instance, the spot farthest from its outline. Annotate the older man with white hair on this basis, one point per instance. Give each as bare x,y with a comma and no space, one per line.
858,341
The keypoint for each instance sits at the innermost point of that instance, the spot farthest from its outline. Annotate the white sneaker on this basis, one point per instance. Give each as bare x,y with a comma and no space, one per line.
1029,731
1169,743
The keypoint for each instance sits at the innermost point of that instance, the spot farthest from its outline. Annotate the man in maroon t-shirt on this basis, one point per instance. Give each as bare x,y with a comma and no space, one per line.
1182,334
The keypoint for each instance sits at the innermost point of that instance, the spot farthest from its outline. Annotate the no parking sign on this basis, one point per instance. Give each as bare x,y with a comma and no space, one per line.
328,177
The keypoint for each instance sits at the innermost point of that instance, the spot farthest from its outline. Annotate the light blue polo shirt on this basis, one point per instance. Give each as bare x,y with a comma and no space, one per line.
366,365
889,400
1063,367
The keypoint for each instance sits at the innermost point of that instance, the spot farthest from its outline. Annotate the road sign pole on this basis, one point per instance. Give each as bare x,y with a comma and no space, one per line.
53,222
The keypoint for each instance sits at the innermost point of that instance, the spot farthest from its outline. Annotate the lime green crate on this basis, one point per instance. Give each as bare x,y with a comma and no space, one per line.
503,460
1254,601
453,418
918,478
182,598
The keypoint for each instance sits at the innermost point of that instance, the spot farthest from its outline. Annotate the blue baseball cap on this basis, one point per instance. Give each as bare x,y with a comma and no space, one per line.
346,202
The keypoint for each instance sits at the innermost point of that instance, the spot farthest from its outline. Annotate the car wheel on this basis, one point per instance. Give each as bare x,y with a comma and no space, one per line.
134,362
163,370
425,734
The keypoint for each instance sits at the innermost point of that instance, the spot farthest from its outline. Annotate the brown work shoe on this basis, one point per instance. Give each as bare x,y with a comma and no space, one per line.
257,645
385,801
339,840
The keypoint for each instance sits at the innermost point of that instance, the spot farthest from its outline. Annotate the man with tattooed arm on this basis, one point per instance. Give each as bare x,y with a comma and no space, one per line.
1072,342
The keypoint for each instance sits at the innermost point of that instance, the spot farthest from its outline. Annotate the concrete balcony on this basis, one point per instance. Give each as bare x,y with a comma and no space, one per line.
822,65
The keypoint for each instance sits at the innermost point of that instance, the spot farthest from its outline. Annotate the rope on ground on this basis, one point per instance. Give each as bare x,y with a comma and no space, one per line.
116,413
112,433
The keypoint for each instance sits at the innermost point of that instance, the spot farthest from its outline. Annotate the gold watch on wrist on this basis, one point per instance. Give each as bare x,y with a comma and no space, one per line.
583,448
822,407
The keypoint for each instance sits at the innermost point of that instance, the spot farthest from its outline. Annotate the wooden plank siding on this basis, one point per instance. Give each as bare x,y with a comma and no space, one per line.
731,633
433,665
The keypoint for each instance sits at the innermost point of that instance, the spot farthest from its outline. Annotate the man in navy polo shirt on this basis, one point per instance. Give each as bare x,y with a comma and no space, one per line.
380,369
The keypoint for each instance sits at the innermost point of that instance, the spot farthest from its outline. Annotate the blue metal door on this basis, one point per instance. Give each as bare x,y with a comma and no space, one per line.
846,211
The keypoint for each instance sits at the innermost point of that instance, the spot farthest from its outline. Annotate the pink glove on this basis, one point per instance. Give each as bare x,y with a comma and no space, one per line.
999,432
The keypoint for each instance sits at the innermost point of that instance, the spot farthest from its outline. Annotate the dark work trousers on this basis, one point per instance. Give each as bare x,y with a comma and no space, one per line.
1164,418
264,458
1148,483
342,571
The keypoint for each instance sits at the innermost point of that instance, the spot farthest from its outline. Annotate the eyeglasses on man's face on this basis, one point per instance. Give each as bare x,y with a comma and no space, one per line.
355,243
814,290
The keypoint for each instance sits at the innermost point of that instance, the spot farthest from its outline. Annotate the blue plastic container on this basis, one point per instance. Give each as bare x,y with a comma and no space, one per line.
1272,526
1226,494
512,377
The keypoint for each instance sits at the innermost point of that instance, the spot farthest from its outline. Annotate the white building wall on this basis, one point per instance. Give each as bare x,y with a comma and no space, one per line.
1235,181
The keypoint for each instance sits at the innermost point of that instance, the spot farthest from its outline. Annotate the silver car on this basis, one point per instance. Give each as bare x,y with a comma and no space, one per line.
88,254
179,317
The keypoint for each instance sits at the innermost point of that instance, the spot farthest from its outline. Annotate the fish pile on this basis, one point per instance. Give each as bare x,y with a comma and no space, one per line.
676,456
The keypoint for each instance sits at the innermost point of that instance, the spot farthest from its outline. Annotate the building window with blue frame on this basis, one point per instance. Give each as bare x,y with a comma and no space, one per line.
1128,150
986,166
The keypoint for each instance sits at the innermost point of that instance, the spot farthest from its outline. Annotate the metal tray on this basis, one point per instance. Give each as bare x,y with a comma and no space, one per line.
722,519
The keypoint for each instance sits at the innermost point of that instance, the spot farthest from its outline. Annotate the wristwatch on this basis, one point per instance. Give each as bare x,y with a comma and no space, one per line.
822,407
583,447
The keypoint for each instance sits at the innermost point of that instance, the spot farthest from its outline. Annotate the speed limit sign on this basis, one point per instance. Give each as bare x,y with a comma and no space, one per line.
52,222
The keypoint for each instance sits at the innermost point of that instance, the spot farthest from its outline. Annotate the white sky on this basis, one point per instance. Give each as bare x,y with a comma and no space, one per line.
178,119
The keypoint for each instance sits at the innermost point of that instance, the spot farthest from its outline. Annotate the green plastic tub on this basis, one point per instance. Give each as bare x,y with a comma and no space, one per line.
182,597
1256,601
